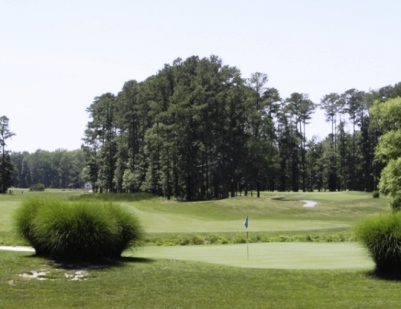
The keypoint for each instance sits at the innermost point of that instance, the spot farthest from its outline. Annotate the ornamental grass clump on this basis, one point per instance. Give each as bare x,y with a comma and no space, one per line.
129,230
382,238
77,230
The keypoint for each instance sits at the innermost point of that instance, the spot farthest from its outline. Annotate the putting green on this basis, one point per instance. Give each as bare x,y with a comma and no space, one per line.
268,255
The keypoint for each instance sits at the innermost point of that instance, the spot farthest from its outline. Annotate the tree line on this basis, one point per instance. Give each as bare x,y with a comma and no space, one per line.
198,130
6,166
57,169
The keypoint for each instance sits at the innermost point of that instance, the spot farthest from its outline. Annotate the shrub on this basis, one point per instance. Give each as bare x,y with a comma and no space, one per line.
129,230
240,240
382,238
77,230
24,222
396,203
375,194
196,240
37,187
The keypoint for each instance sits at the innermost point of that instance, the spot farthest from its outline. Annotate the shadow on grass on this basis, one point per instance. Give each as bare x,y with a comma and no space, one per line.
131,259
283,199
91,264
114,197
100,264
375,274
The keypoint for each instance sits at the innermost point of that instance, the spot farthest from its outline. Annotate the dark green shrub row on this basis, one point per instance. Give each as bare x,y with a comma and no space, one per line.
113,197
77,230
184,240
382,238
37,187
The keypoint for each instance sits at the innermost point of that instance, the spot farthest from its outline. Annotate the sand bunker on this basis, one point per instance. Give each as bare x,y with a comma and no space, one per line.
309,203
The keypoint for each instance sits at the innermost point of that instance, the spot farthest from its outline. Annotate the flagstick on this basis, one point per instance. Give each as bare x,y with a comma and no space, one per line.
247,246
247,242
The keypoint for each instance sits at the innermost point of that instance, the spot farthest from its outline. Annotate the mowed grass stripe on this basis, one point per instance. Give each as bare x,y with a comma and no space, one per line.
156,222
267,255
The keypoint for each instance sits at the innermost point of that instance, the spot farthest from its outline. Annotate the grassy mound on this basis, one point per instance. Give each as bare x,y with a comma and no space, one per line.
77,230
382,237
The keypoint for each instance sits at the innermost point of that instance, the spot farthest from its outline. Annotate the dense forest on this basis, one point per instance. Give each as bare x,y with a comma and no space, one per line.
58,169
198,130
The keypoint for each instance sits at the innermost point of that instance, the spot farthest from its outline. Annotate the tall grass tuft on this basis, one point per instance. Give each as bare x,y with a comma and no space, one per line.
77,230
382,238
25,222
129,230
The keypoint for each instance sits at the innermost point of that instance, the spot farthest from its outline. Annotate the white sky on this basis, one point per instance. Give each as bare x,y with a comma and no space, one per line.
56,56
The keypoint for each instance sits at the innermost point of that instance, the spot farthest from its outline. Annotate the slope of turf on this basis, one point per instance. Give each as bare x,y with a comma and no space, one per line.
276,275
154,283
273,213
162,222
268,255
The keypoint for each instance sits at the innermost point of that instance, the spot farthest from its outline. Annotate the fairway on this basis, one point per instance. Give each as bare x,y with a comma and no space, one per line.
181,223
267,255
313,264
272,217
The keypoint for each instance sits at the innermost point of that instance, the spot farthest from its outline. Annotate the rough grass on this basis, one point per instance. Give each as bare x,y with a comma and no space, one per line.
154,283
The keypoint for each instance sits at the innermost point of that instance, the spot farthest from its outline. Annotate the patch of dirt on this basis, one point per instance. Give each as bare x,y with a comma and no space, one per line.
70,273
40,275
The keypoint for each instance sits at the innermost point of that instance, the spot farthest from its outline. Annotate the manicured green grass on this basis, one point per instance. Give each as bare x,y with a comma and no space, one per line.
273,217
276,275
163,283
267,255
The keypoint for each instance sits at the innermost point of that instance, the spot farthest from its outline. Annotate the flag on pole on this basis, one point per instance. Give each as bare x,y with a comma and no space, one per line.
246,222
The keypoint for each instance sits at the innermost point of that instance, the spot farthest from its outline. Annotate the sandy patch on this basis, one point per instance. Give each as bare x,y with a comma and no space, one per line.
17,248
40,275
309,204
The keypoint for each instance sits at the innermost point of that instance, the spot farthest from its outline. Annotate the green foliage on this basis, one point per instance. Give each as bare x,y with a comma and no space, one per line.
390,181
37,187
386,116
24,222
240,238
389,146
375,194
6,167
58,169
396,203
382,238
112,197
198,130
76,230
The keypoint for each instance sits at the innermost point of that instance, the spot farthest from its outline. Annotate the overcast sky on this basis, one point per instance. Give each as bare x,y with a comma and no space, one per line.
57,56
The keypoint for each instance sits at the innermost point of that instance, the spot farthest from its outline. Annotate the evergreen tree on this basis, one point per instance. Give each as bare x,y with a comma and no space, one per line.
6,169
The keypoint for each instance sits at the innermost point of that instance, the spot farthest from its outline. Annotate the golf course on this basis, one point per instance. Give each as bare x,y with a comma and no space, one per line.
200,255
